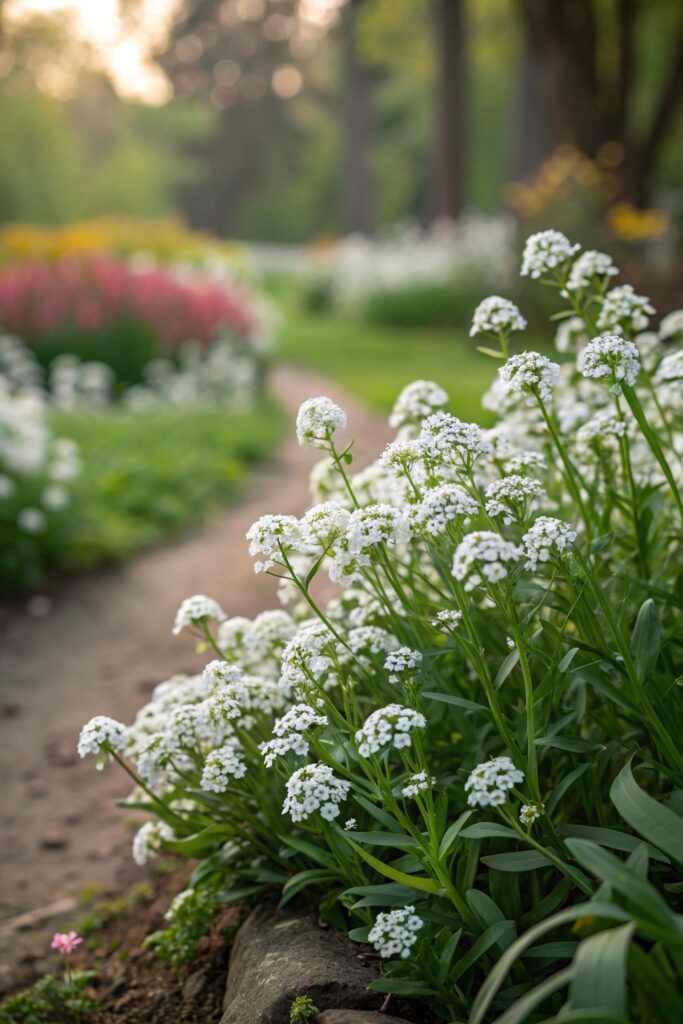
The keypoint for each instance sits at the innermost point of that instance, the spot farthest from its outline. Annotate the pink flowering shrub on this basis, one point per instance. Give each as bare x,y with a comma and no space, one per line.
98,306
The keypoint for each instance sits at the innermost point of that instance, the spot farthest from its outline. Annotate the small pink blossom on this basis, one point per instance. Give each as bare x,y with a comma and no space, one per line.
66,942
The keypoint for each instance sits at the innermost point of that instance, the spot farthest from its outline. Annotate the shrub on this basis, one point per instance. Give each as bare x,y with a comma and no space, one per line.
489,704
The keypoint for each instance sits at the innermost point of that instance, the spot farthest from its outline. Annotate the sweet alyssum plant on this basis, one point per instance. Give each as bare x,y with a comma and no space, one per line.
471,755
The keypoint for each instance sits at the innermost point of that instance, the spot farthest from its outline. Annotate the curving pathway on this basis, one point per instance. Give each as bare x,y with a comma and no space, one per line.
100,650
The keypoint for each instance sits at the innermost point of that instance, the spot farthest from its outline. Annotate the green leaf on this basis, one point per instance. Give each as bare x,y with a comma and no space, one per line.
646,639
571,743
522,860
488,830
565,785
452,833
490,937
656,823
383,817
610,837
384,839
300,881
521,1008
599,974
309,850
507,666
413,881
200,844
458,702
553,951
401,987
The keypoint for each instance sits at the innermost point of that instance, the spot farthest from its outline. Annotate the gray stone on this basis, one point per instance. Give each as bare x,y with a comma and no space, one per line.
194,986
279,955
357,1017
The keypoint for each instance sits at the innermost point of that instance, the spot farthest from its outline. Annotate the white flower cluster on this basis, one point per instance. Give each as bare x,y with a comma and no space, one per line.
101,735
197,610
547,536
611,358
149,839
388,726
623,310
530,373
451,442
671,326
418,400
449,619
394,932
489,784
511,497
317,420
376,524
496,315
670,368
288,733
270,535
418,783
545,252
529,813
314,788
441,506
220,766
403,662
484,557
221,673
590,265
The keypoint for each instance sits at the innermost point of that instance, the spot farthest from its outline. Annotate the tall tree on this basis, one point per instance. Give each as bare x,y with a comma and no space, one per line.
450,157
357,130
588,61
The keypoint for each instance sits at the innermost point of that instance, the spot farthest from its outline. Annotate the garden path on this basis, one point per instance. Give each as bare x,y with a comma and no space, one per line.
100,649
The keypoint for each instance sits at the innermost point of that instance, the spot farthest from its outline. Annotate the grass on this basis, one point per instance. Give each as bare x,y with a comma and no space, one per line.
148,475
374,362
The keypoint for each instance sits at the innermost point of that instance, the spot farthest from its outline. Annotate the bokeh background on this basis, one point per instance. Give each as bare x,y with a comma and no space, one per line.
191,190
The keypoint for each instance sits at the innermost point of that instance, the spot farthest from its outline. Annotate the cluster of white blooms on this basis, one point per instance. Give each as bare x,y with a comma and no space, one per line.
589,265
314,788
545,252
418,783
449,619
370,640
324,524
317,420
402,662
511,496
623,310
671,326
376,524
221,707
451,442
670,368
525,460
394,932
443,505
101,735
496,315
256,645
197,610
288,732
484,557
148,840
546,536
221,673
220,766
603,426
402,454
528,813
570,335
350,824
308,653
530,373
388,726
270,535
609,357
418,400
489,784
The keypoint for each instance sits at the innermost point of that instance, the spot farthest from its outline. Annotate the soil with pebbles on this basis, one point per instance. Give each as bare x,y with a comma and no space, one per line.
98,645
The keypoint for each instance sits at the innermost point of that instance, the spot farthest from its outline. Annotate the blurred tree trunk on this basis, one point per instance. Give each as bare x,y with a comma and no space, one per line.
591,102
532,138
356,128
450,157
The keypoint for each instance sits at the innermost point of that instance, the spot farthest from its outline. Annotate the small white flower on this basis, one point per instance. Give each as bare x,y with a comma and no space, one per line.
350,824
417,401
447,619
547,536
670,368
376,524
418,783
441,506
148,840
483,557
590,265
220,766
528,813
623,310
451,442
530,373
489,783
317,420
388,726
221,673
314,788
31,520
196,610
100,736
271,535
672,325
512,496
402,662
612,359
394,932
570,335
496,315
545,252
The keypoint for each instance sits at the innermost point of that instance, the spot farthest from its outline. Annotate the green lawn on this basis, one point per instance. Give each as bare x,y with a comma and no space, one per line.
375,362
149,475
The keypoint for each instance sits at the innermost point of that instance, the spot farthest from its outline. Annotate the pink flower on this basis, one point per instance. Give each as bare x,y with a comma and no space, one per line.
66,942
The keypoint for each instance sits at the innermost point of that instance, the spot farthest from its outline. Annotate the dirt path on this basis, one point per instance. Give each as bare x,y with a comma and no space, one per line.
106,642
